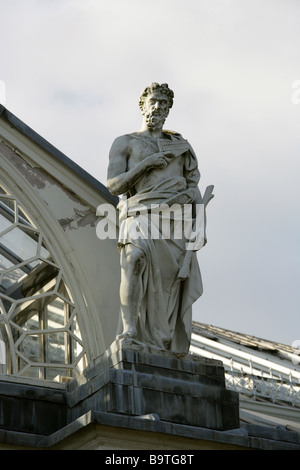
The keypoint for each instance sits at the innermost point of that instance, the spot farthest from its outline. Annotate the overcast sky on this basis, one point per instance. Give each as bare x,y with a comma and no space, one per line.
73,71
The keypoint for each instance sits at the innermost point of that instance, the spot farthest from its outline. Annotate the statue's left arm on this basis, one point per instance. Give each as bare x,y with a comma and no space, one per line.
192,176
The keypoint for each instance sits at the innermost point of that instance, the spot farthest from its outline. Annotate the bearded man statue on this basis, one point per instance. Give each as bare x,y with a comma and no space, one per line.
156,173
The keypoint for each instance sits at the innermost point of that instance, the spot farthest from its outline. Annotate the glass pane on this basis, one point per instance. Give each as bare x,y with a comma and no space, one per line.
4,223
33,372
29,348
8,278
19,243
82,364
76,350
2,190
64,291
7,208
5,305
23,217
32,323
56,348
74,327
55,314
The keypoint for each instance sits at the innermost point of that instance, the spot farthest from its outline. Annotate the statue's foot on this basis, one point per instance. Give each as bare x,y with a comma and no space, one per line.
130,333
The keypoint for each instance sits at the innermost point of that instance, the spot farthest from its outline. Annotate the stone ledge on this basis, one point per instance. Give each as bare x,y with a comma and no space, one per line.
31,408
149,381
200,438
133,379
125,353
183,437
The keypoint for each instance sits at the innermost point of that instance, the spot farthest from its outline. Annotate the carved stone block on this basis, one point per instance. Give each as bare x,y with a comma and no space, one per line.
136,380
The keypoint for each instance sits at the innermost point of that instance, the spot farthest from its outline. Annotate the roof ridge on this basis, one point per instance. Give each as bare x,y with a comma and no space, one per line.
256,339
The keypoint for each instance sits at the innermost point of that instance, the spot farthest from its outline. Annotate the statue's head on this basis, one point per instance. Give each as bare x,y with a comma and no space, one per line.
155,103
156,87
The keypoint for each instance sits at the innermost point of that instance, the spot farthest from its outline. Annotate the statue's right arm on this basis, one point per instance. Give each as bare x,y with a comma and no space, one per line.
119,178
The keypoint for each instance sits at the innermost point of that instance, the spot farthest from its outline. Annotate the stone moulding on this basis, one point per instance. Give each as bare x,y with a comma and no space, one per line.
136,380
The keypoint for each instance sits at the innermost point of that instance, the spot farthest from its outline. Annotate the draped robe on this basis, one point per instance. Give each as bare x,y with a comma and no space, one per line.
165,315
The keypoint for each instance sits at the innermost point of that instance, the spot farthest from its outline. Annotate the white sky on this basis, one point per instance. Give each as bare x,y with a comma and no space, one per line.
73,71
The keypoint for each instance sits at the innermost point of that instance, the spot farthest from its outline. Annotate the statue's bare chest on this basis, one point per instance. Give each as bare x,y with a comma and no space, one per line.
140,149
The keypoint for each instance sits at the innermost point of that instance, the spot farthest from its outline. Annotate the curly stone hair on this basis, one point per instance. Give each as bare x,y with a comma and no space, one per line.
163,88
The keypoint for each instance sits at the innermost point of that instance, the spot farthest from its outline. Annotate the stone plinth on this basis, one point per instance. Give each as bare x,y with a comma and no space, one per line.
136,380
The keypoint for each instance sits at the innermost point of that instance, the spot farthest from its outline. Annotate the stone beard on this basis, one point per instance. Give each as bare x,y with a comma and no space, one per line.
160,280
155,120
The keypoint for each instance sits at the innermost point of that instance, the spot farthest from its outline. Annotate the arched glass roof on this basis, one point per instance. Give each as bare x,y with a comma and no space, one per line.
39,332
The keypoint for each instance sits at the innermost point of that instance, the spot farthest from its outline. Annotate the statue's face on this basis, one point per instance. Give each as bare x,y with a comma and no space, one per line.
156,109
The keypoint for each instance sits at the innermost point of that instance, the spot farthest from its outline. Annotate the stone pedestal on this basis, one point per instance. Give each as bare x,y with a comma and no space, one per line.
136,380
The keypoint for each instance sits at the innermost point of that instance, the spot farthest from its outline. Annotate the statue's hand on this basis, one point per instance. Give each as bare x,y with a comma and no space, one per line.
158,160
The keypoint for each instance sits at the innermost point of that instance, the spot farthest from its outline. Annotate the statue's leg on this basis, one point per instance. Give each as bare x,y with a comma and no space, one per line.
133,263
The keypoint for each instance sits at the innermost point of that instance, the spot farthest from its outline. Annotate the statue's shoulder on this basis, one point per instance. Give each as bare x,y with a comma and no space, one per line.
121,142
123,138
173,134
127,139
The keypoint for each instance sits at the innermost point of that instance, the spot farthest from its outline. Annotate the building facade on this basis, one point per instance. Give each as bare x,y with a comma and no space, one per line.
59,312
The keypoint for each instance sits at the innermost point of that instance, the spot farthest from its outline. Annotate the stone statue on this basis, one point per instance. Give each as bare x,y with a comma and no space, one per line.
157,170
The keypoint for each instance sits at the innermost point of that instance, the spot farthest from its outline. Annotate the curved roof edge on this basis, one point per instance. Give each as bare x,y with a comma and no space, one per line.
45,145
240,338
